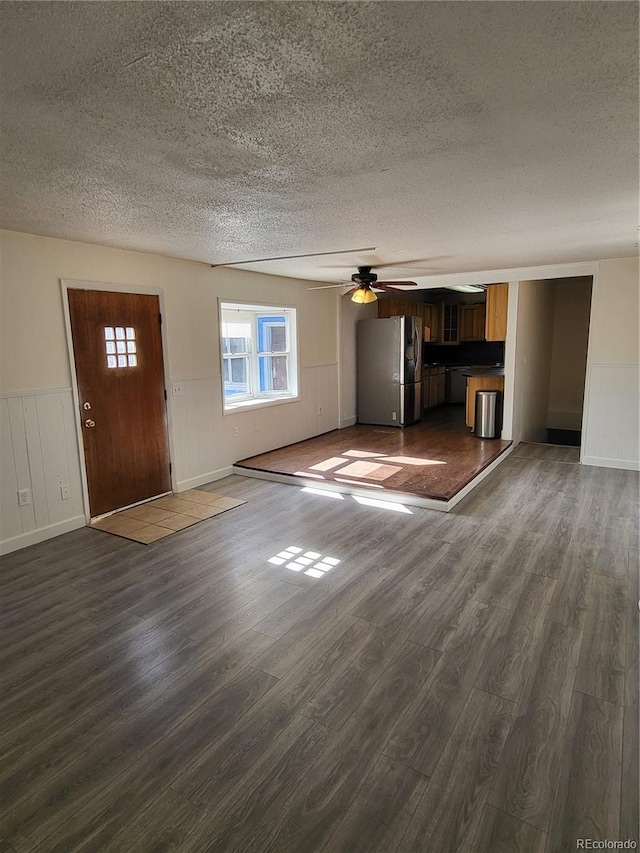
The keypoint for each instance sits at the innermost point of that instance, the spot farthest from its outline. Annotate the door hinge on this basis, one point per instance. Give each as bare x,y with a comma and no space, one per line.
160,319
165,395
170,467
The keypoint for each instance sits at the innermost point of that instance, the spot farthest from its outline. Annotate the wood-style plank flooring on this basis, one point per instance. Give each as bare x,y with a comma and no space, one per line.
436,682
435,458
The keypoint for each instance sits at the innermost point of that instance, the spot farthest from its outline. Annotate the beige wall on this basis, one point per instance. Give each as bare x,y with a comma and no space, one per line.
534,336
572,305
33,346
37,415
615,312
611,427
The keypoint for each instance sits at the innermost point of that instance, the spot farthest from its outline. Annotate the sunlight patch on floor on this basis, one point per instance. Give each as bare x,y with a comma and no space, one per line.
390,505
311,563
337,496
411,460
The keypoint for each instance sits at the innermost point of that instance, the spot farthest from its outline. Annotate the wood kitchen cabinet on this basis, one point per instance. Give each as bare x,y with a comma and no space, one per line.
480,383
496,307
428,312
432,387
472,322
394,308
449,323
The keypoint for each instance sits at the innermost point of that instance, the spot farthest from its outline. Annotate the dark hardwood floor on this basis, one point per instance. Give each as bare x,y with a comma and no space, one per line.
436,682
435,458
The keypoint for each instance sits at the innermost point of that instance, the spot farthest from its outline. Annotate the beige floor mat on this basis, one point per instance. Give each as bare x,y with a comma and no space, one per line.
154,520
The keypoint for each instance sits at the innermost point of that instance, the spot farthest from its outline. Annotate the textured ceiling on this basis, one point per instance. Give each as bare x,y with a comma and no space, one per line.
482,135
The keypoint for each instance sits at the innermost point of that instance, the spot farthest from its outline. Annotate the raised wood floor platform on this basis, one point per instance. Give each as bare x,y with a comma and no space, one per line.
433,459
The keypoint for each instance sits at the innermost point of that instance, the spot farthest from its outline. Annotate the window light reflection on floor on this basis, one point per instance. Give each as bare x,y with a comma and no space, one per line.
311,563
391,505
325,493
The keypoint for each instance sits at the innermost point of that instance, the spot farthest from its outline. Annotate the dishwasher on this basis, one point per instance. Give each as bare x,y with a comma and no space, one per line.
456,384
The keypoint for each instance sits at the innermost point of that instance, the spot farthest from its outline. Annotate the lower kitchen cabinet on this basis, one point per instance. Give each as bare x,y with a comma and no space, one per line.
480,383
432,387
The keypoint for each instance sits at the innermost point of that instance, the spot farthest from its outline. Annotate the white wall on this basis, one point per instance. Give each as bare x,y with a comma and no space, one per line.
611,424
36,374
350,313
534,335
572,306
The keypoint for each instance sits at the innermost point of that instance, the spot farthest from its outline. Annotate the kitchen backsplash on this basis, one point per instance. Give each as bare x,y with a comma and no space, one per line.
472,352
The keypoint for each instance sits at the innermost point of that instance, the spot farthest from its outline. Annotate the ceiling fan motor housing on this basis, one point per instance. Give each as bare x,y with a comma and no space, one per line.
364,276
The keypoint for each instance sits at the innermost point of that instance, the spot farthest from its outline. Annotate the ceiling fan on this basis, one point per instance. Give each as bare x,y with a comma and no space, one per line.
364,281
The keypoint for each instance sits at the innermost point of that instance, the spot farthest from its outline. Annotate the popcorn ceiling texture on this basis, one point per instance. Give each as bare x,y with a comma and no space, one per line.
485,135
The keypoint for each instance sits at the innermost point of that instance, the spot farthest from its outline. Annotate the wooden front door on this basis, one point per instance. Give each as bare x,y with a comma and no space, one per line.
117,346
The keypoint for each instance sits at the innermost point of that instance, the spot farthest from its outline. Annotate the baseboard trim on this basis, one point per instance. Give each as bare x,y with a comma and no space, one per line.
16,543
203,479
603,462
347,422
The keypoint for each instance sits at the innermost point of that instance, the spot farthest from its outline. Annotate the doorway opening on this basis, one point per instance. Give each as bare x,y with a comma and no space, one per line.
551,359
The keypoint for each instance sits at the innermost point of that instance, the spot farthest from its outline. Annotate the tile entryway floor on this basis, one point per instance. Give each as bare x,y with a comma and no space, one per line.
154,520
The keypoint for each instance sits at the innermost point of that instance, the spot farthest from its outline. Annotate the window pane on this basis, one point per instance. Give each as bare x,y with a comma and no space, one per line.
133,360
235,345
111,347
278,339
236,376
112,361
272,334
131,346
273,373
122,361
131,335
108,333
121,346
119,333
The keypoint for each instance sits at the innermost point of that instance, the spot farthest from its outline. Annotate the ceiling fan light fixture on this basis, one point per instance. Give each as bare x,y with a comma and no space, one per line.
467,288
364,295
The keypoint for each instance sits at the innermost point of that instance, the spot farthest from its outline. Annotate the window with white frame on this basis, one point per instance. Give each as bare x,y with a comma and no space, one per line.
259,358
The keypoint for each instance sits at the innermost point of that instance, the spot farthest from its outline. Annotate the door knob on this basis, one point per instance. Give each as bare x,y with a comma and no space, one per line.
86,406
89,423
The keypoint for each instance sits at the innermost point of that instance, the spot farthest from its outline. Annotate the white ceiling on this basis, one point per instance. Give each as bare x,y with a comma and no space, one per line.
480,135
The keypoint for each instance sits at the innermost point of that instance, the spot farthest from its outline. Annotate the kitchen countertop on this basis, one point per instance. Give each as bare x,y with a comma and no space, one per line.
484,371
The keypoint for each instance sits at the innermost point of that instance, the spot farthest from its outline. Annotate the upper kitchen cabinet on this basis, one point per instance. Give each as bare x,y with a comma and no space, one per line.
431,319
450,323
393,308
427,312
472,322
496,320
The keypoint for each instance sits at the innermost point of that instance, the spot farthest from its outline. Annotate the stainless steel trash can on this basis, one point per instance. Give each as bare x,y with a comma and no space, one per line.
486,414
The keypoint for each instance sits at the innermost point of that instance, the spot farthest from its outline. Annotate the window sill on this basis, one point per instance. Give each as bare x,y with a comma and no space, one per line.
245,405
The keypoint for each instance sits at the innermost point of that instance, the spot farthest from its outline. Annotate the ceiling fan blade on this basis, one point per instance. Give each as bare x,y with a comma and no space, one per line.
396,283
410,263
327,286
391,289
290,257
401,263
353,290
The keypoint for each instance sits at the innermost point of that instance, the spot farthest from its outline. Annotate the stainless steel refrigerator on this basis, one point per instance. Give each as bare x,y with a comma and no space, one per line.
390,371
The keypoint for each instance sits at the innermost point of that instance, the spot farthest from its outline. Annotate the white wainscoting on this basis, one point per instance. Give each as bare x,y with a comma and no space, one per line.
611,436
39,452
39,449
204,439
